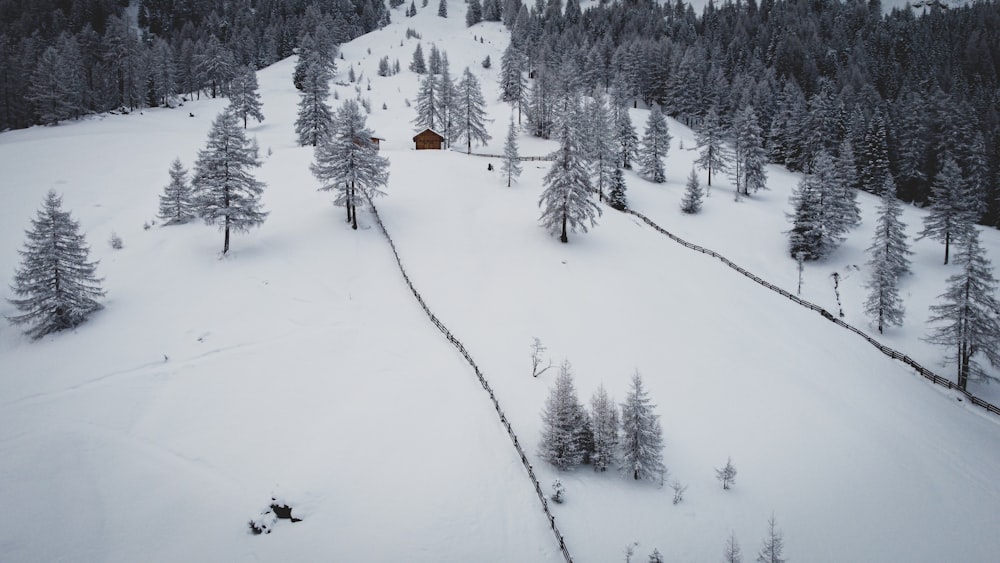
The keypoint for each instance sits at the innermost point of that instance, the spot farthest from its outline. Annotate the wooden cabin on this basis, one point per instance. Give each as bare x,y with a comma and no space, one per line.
428,139
376,141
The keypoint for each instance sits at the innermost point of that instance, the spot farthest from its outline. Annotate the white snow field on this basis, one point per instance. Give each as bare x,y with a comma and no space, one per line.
300,366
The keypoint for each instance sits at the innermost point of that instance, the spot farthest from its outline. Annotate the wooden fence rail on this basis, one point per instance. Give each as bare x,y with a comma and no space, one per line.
894,354
547,158
482,381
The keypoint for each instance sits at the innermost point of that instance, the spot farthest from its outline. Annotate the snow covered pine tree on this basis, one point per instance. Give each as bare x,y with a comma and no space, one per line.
566,200
561,423
224,189
642,437
55,282
348,161
175,201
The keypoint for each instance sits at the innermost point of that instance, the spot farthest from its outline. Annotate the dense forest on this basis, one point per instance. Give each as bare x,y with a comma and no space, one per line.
908,91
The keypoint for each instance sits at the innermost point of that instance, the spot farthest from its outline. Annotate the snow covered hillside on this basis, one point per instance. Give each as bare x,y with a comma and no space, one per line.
300,367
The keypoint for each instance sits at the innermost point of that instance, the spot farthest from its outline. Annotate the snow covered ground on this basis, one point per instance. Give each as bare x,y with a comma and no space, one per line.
300,366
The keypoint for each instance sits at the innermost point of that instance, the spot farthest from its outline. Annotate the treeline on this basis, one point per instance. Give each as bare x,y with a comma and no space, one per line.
60,59
915,90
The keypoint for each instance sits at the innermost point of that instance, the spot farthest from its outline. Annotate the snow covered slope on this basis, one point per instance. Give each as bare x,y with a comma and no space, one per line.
300,367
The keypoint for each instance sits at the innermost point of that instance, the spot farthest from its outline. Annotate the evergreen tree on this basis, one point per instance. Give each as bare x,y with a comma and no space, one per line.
474,14
774,545
434,60
540,106
443,8
55,284
711,151
175,202
511,166
888,262
566,200
383,67
491,10
968,314
162,73
348,162
471,122
873,155
604,428
818,218
418,65
732,553
656,556
845,169
691,203
513,85
306,58
601,149
216,66
655,145
616,195
748,155
625,137
245,97
954,208
562,419
314,119
224,190
51,88
428,106
727,475
448,97
641,435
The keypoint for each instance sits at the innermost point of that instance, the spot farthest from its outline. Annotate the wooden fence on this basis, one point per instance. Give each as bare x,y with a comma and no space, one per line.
482,380
548,158
894,354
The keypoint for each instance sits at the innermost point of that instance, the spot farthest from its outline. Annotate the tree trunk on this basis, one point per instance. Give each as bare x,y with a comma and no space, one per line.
963,365
947,241
563,237
225,245
354,210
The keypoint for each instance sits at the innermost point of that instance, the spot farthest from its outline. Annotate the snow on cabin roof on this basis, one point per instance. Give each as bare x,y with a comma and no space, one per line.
425,131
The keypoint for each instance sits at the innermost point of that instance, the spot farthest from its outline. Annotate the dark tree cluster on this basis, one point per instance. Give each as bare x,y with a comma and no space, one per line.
60,59
906,90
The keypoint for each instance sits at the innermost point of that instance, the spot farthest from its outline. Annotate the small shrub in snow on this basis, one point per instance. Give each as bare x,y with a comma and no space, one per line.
656,556
630,551
692,194
384,106
726,475
486,62
116,241
537,349
558,492
678,491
